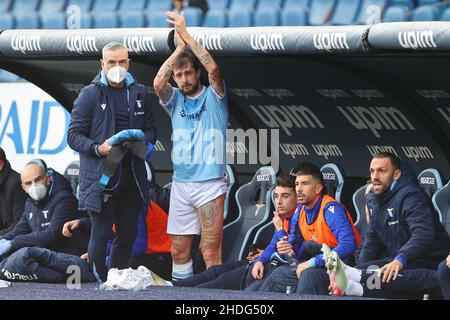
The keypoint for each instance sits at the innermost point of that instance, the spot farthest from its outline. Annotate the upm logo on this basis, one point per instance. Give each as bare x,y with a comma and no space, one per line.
81,44
330,41
427,180
267,41
139,44
262,177
416,39
26,43
209,41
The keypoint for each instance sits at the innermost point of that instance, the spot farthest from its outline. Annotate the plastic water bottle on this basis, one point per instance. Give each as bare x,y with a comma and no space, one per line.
291,260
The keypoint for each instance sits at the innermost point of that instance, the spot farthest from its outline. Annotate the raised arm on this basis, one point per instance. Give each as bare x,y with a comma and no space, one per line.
214,76
161,82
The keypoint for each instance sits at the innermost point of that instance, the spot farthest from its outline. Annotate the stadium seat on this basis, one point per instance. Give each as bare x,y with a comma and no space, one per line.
240,17
84,5
445,15
369,10
101,6
248,4
296,3
230,208
25,6
5,5
320,12
193,16
425,13
105,20
359,203
395,14
6,21
218,4
403,3
430,181
86,20
215,18
264,235
441,202
157,19
333,176
266,17
29,20
345,12
50,6
156,5
126,5
6,76
56,20
72,174
271,4
294,16
132,19
255,206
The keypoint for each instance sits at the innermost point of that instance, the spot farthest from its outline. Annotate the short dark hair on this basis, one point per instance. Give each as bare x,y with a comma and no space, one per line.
396,162
309,169
286,181
187,57
2,155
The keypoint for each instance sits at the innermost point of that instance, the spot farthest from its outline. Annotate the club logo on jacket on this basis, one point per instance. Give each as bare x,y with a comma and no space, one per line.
139,103
390,212
45,212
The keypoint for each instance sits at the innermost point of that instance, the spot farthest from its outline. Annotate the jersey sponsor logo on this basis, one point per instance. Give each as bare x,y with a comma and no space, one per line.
417,39
329,41
81,44
139,44
25,43
209,41
267,42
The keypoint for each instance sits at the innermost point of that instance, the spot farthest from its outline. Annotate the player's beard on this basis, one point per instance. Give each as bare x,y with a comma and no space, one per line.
194,88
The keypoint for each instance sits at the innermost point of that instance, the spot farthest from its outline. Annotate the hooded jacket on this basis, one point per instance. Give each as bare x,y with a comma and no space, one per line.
404,225
42,222
93,121
12,199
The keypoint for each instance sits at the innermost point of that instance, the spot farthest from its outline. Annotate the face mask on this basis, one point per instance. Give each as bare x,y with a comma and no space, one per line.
116,74
37,192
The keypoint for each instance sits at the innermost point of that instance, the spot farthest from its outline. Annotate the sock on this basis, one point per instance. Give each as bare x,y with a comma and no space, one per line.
352,274
182,271
354,289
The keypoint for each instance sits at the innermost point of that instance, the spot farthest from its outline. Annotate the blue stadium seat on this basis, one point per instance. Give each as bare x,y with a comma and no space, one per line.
425,13
48,6
430,181
55,20
25,6
27,20
368,13
106,20
296,3
157,19
100,6
266,17
395,14
84,5
86,20
6,76
215,18
132,19
193,16
320,12
345,12
445,15
5,5
269,4
294,16
72,175
404,3
6,21
249,4
359,203
334,179
218,4
230,208
240,17
157,5
441,202
126,5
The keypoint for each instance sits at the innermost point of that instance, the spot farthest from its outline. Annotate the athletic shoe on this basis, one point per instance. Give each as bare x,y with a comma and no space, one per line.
156,280
335,269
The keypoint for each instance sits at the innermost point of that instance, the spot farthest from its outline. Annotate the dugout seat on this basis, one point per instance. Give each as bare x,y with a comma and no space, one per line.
430,181
441,202
72,174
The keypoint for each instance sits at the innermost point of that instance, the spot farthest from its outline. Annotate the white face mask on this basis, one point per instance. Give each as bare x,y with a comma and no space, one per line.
37,192
116,74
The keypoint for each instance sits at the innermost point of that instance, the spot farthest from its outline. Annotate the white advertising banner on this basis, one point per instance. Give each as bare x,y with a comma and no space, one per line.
33,125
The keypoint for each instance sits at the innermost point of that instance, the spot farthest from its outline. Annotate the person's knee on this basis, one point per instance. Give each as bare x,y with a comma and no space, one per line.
180,254
313,281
